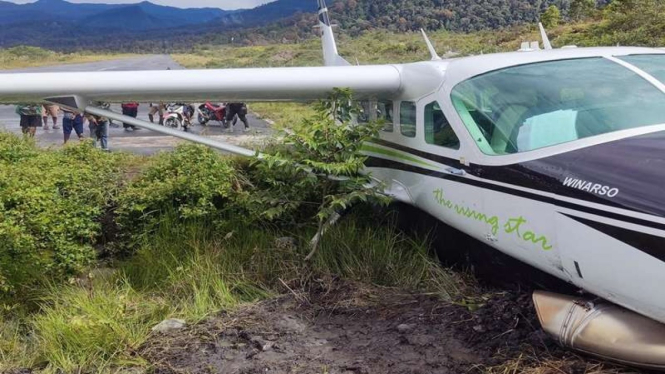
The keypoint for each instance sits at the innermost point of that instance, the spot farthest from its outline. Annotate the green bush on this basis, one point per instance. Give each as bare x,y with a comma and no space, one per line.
193,180
51,203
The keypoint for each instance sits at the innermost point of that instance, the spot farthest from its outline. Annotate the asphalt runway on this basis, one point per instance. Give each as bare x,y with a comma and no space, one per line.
140,141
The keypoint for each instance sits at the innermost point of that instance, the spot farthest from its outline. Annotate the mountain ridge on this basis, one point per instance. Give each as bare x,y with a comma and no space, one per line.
147,27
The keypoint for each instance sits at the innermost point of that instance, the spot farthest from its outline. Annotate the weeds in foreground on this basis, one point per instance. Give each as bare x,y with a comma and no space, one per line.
190,270
81,327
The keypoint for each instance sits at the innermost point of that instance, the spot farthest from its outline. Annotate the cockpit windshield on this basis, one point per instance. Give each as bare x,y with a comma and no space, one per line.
533,106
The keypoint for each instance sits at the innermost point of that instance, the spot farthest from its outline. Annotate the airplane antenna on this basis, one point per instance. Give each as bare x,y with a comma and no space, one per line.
330,55
430,47
543,35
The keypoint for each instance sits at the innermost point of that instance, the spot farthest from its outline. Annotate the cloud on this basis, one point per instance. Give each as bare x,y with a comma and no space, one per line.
224,4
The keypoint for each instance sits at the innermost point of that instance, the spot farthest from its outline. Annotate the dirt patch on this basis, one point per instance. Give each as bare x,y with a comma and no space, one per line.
357,329
350,330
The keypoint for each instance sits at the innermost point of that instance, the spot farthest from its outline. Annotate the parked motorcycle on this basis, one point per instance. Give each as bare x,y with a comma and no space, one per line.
210,112
178,115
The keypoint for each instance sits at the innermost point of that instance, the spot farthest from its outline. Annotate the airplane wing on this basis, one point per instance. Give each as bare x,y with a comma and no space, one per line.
263,84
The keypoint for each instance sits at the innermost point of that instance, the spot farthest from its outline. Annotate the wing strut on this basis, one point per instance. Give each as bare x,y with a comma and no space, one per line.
169,131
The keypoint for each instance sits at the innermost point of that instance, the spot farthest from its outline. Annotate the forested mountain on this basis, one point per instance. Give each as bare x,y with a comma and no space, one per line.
148,27
354,17
267,13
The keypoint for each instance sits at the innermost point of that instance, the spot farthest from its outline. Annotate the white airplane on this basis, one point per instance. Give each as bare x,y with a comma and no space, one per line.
555,157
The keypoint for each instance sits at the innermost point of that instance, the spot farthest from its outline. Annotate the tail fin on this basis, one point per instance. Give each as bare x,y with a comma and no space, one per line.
330,55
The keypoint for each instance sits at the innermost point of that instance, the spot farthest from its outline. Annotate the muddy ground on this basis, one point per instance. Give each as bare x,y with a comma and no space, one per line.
347,328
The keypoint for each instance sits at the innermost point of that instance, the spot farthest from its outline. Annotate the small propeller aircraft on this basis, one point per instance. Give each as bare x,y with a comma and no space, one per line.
555,157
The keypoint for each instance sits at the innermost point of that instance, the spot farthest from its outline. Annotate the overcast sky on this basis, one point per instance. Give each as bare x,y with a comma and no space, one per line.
224,4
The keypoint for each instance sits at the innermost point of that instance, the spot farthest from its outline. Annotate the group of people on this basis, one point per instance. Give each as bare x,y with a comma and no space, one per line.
131,109
37,115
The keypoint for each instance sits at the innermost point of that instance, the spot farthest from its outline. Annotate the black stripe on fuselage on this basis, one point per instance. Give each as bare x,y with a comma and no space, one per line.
515,174
390,164
428,156
652,245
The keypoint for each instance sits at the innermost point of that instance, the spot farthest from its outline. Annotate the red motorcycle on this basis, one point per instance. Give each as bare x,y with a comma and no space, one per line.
210,112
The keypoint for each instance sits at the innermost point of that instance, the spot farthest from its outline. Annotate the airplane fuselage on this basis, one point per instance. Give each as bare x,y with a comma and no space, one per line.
556,158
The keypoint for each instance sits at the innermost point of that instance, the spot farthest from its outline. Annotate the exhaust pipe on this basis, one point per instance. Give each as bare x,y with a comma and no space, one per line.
603,330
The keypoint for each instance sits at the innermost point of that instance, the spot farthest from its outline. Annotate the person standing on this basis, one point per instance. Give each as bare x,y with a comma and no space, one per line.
31,118
72,121
237,109
156,109
99,130
51,110
130,109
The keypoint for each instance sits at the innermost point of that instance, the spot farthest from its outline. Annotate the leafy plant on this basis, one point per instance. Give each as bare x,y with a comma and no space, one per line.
324,155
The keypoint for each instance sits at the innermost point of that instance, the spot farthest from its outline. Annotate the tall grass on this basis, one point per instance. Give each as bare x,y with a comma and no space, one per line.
83,328
381,255
191,270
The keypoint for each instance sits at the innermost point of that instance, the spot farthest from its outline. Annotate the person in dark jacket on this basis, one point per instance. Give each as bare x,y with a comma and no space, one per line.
99,127
130,109
31,118
236,109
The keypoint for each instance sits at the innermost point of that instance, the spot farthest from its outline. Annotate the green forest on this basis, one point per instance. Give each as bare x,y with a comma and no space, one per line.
579,22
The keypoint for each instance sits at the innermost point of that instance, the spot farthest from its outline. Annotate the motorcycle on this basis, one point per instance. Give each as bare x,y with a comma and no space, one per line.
210,112
178,115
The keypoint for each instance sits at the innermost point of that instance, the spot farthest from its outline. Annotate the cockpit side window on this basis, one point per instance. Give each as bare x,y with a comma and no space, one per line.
437,128
533,106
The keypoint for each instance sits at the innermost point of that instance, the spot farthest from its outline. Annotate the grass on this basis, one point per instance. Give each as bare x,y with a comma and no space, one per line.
192,271
526,364
284,115
25,57
83,328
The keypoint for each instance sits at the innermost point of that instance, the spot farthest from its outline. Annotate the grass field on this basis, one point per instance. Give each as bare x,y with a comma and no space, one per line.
25,57
378,47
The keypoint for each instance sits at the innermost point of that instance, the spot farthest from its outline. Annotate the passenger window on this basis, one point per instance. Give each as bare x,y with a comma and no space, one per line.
407,118
437,128
384,112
